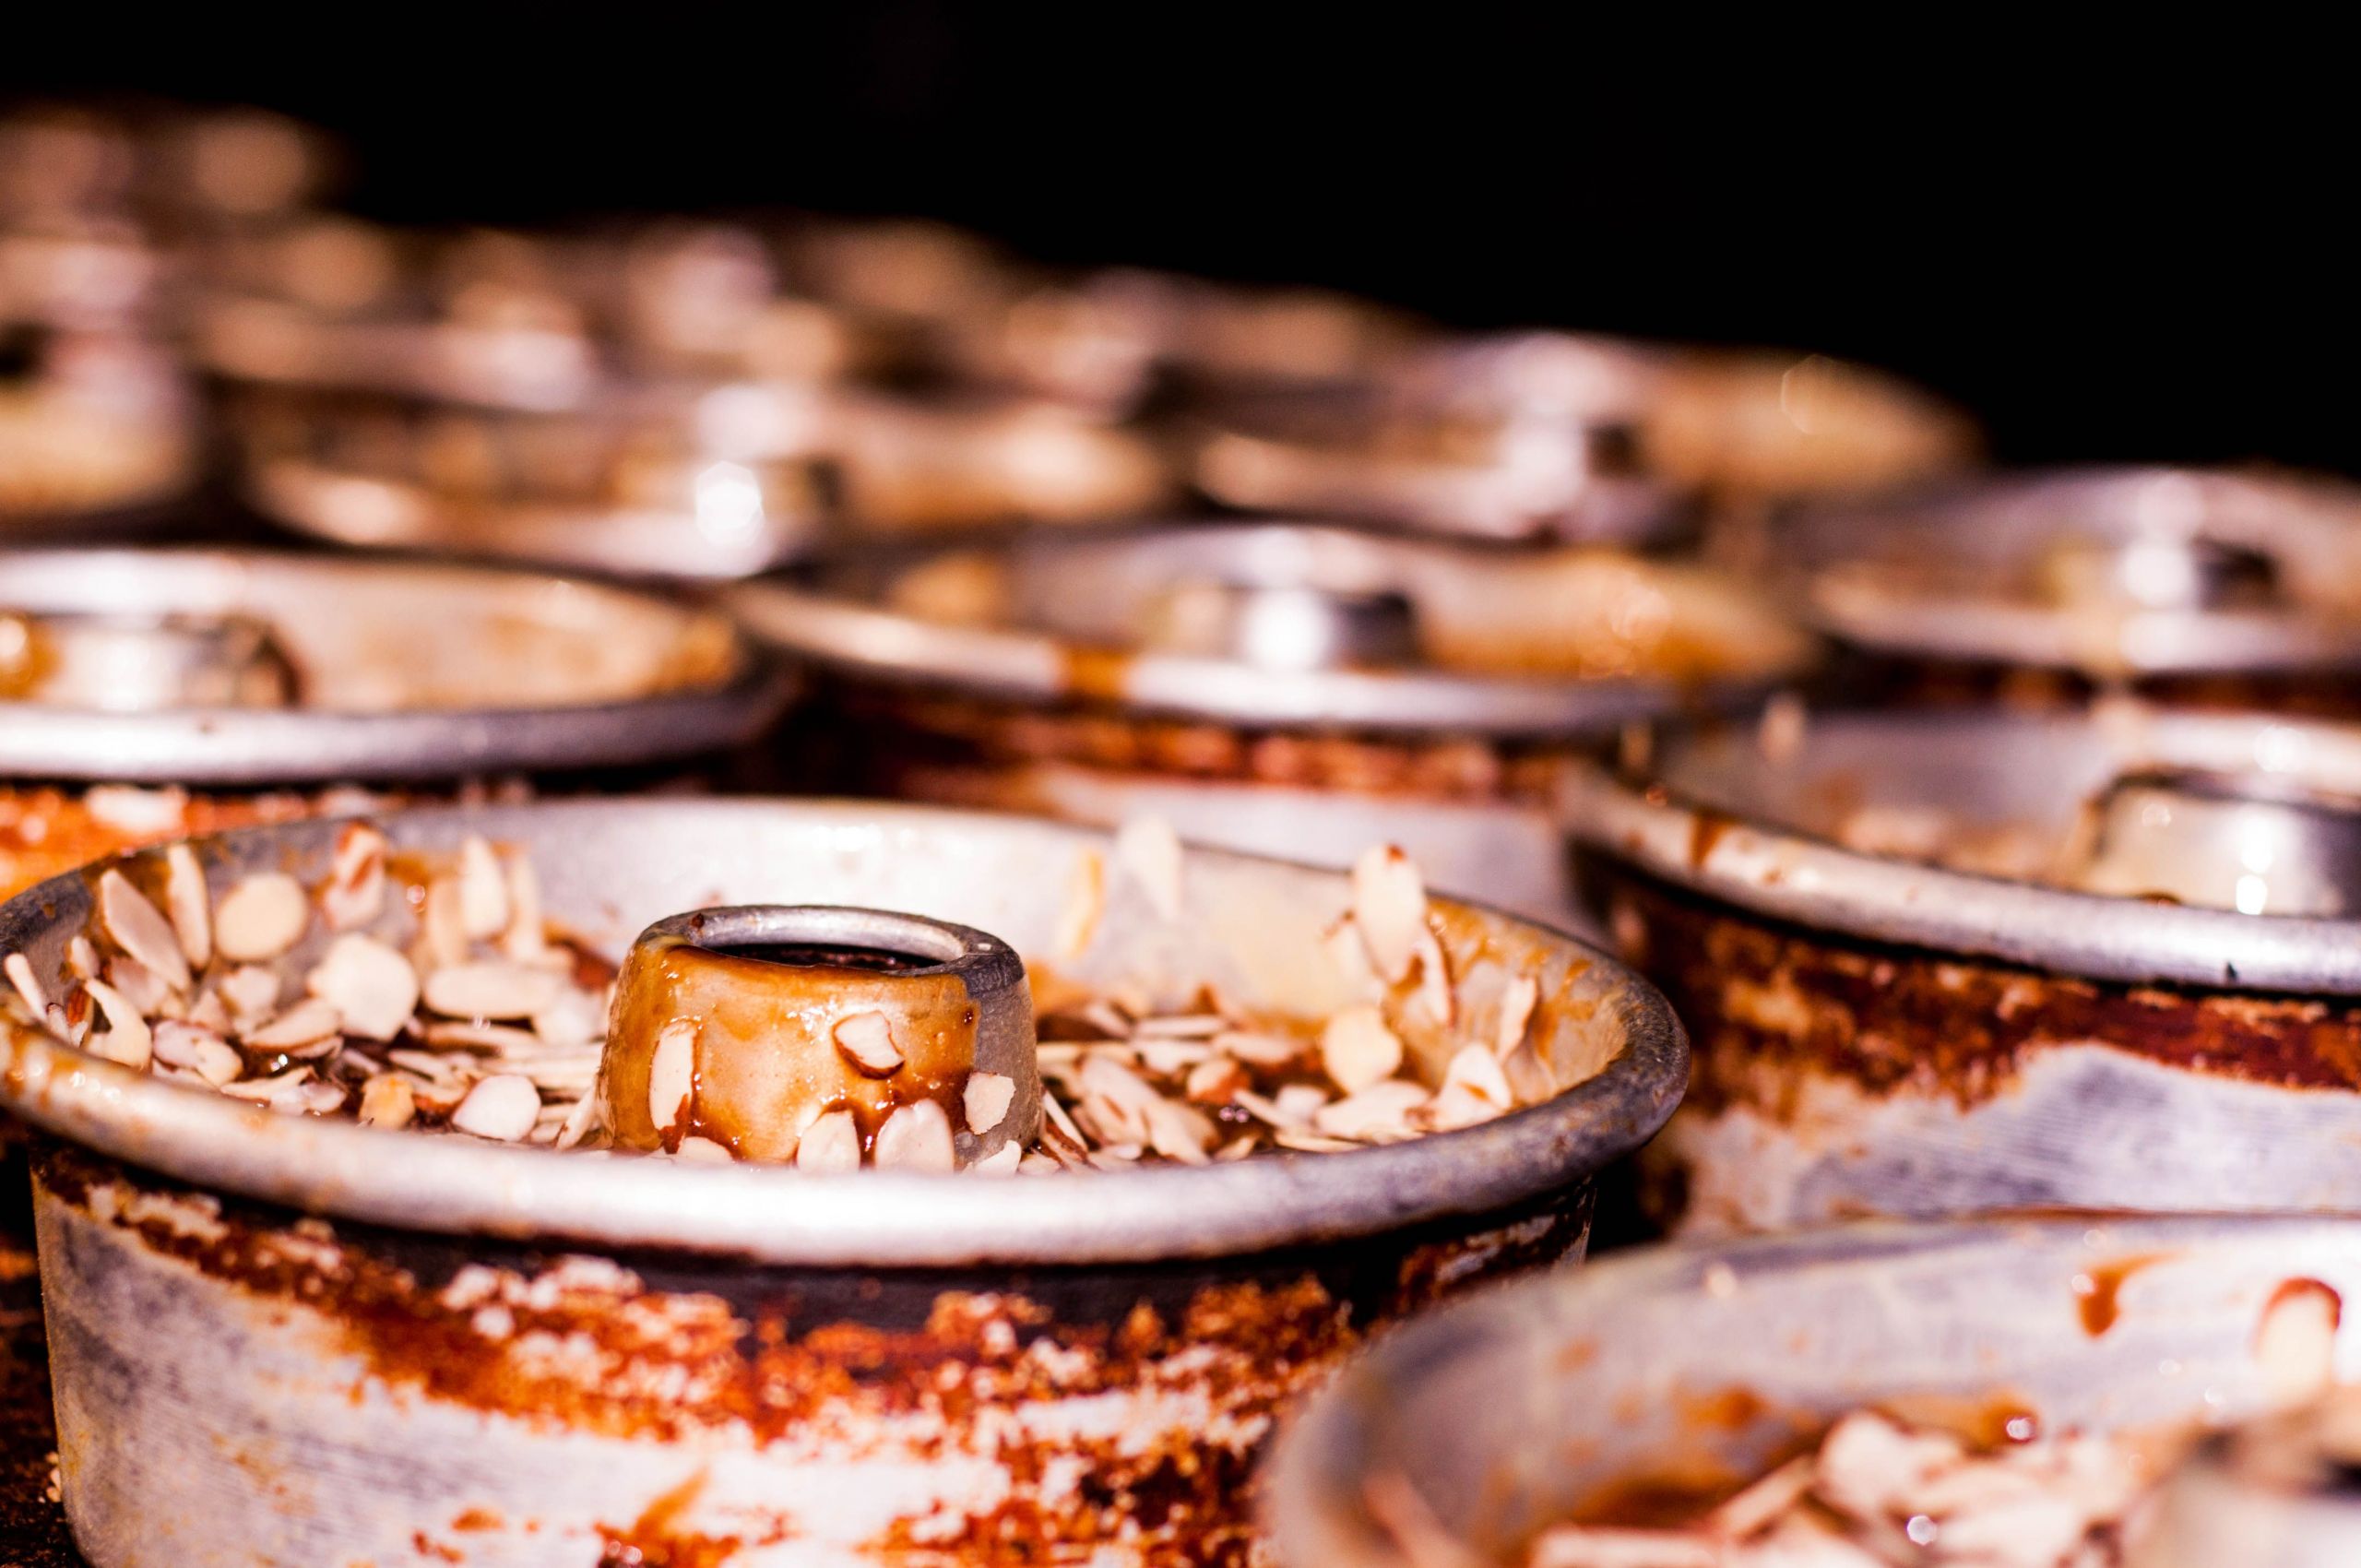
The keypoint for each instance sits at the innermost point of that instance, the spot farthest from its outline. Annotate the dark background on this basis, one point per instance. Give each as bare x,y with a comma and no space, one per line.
2128,246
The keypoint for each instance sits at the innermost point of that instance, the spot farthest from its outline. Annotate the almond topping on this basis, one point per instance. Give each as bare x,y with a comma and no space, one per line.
261,918
503,1107
867,1042
483,890
141,930
370,986
831,1144
190,904
987,1098
917,1137
387,1100
1389,910
126,1037
1358,1049
494,989
671,1075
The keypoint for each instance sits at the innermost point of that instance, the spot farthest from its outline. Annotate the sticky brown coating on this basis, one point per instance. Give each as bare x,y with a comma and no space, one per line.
765,1061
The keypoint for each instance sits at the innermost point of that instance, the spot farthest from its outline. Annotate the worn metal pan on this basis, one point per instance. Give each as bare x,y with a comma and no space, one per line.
1290,688
285,1338
1970,959
1659,1381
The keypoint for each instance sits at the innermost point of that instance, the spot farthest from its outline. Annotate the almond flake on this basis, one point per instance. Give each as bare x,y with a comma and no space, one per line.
831,1144
1085,900
501,1108
145,813
576,1125
1349,954
279,1088
1179,1131
1389,910
1148,849
261,918
387,1100
917,1137
483,890
126,1037
250,991
20,975
81,959
356,884
987,1098
492,988
189,903
141,930
1216,1082
1002,1161
1260,1049
139,986
1434,979
442,925
527,938
1379,1113
1517,999
1477,1070
705,1151
1358,1049
302,1025
867,1042
673,1075
372,987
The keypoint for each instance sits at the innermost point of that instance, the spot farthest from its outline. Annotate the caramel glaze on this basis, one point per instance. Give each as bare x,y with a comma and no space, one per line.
765,1056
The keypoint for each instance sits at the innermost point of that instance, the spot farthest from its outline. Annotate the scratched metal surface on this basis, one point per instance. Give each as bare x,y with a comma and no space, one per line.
32,1525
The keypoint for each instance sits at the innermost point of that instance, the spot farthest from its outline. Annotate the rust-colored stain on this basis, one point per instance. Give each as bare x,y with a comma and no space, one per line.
1093,675
1705,830
910,735
1768,1004
1719,1410
2288,1290
2097,1291
1242,1339
656,1540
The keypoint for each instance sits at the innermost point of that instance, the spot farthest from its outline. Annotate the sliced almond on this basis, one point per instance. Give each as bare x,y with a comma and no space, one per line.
140,929
1389,910
178,1043
1180,1131
126,1036
1434,979
2294,1344
501,1108
1148,849
1517,1000
261,918
251,991
1085,900
1349,954
442,925
1475,1088
372,987
917,1137
705,1151
1216,1082
831,1144
307,1023
277,1089
986,1100
140,986
1002,1161
576,1125
387,1100
356,885
527,938
867,1042
483,890
143,813
1258,1049
1358,1049
81,959
673,1075
20,975
189,904
1379,1113
492,988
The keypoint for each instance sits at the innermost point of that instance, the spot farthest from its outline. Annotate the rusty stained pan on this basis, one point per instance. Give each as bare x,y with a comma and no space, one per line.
1878,1032
2225,586
1287,688
1688,1370
284,1340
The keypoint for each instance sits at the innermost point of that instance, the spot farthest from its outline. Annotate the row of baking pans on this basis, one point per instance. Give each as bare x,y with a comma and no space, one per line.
1932,961
1992,850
